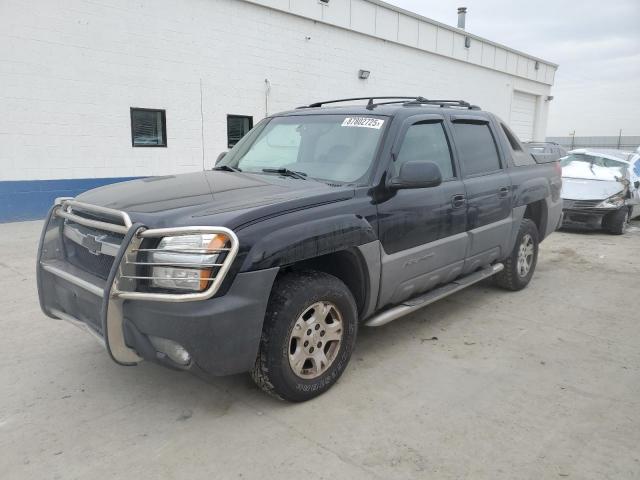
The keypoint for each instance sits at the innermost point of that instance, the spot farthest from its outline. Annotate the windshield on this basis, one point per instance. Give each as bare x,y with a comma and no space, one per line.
332,148
592,160
582,165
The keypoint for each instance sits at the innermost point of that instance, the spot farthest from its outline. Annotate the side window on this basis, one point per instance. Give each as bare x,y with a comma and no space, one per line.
515,145
426,142
476,148
518,154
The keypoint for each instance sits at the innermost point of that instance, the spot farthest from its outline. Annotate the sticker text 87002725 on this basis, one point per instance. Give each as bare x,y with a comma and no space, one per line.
363,122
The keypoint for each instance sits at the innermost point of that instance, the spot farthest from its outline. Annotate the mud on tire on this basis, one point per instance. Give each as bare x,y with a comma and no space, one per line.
294,294
512,277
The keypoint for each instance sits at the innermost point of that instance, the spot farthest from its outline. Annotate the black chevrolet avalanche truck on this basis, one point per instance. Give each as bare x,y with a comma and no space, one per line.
319,221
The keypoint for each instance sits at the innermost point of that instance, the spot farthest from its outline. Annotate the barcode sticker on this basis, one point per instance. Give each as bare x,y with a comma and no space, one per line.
363,122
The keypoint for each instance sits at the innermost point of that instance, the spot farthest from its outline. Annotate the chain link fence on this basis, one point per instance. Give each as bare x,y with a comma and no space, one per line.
623,142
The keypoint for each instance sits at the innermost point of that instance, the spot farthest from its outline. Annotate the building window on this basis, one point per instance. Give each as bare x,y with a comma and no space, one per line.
237,127
148,128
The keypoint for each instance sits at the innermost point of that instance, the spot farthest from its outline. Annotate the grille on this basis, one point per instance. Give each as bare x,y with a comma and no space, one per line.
580,204
79,256
100,217
92,241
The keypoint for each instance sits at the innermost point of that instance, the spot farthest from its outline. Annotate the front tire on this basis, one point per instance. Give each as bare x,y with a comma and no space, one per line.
618,221
520,265
308,335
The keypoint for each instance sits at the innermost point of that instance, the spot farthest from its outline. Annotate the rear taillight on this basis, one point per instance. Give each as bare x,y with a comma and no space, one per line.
558,168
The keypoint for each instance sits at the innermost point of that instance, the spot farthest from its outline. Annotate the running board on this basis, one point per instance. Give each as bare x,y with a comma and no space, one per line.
428,298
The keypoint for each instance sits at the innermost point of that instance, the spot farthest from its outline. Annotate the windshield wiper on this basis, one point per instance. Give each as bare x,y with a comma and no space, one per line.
286,173
226,168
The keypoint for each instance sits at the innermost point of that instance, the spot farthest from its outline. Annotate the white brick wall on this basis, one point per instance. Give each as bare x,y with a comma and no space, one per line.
70,70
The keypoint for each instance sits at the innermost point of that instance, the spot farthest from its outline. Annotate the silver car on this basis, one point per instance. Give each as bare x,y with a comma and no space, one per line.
600,189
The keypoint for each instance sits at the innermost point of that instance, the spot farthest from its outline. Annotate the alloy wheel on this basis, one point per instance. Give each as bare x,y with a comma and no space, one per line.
525,255
315,340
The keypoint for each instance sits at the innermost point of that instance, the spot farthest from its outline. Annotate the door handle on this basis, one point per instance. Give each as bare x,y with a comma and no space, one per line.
458,201
503,192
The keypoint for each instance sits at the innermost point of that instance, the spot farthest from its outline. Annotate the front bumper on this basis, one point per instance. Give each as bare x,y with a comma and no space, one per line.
587,218
221,334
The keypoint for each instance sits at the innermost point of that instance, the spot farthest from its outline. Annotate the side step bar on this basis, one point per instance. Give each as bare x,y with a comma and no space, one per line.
416,303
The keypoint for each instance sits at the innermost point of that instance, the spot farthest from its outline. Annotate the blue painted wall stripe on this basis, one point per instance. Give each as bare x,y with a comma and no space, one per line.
31,199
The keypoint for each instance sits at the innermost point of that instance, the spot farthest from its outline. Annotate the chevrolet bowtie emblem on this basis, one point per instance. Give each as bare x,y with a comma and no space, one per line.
93,244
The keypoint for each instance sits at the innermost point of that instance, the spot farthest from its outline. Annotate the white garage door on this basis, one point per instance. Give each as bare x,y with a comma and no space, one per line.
523,115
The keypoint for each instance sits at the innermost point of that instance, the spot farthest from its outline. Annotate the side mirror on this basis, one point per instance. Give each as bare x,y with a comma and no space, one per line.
220,157
416,174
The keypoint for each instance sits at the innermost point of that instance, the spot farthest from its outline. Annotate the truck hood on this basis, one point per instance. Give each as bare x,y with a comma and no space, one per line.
232,197
581,189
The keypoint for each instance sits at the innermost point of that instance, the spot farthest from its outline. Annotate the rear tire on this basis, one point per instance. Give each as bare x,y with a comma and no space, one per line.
618,221
308,335
520,265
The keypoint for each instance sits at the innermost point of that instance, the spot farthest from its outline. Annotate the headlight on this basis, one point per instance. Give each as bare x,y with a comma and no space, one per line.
615,201
186,262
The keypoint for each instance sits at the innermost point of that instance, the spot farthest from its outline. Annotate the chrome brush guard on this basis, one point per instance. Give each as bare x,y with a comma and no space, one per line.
95,230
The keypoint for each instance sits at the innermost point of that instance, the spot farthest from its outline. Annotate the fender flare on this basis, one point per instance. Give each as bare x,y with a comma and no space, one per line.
308,240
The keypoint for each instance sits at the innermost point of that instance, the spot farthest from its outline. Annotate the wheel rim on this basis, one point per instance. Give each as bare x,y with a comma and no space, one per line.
315,340
525,255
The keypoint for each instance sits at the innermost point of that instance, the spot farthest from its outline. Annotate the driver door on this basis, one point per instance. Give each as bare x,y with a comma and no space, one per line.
422,230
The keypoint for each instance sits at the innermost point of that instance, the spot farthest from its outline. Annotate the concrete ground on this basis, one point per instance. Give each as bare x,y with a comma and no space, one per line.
544,383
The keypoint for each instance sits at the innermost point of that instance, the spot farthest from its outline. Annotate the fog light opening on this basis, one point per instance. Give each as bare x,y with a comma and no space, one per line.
176,352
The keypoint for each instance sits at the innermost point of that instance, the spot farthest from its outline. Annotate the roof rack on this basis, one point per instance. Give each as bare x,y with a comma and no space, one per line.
371,104
444,103
370,101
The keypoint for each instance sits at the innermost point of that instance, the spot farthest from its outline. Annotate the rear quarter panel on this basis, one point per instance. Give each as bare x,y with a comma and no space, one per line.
539,182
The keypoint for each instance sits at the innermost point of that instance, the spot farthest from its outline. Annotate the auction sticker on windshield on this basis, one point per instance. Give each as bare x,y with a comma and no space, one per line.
363,122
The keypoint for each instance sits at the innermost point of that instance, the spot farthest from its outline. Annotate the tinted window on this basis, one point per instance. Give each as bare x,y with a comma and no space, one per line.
426,142
148,128
476,148
515,145
520,156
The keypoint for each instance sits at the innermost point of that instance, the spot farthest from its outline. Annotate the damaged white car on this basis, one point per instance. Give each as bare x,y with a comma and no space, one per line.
600,189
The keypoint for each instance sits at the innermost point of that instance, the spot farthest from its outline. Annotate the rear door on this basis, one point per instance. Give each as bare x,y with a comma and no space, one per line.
488,190
422,230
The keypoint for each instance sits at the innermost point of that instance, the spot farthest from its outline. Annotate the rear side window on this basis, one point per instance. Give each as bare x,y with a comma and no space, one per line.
515,145
520,156
426,142
476,148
